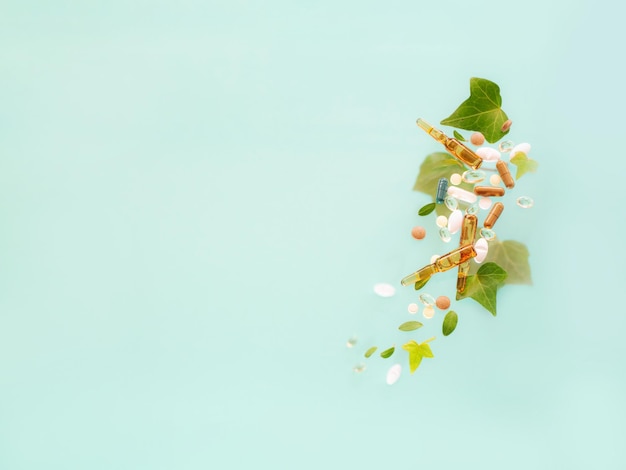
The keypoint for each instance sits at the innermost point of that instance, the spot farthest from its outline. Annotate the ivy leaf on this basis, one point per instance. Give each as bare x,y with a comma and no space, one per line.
458,136
387,352
421,283
410,326
427,209
481,112
449,322
511,256
523,164
370,351
435,166
417,352
483,286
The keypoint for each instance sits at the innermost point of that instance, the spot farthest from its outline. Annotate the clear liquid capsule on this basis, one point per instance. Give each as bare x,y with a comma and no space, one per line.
359,368
427,299
487,234
451,203
506,146
472,208
444,234
525,202
473,176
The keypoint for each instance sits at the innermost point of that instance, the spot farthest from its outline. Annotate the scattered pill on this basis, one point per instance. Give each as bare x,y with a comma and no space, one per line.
489,191
418,232
442,187
444,234
428,312
455,221
487,234
525,202
441,221
359,368
451,203
472,209
505,146
433,258
523,148
484,203
506,126
413,308
462,195
488,154
505,174
455,179
384,290
495,180
427,299
493,215
477,138
473,176
482,247
393,374
443,302
351,342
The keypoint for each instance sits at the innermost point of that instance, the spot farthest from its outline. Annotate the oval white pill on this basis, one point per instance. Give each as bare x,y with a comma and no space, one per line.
462,195
524,148
455,221
393,374
488,154
385,290
484,203
482,247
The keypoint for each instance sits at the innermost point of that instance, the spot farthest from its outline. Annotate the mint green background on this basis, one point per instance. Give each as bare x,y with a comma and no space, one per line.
196,199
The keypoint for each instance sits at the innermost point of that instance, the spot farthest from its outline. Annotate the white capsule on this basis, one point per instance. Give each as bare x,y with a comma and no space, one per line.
484,203
455,179
488,154
441,221
393,374
462,195
523,148
385,290
413,308
455,221
482,247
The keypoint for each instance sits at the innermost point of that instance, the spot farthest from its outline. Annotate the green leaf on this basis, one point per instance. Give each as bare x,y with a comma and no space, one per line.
458,136
523,164
421,283
417,352
483,286
371,351
427,209
410,326
387,352
511,256
481,112
449,322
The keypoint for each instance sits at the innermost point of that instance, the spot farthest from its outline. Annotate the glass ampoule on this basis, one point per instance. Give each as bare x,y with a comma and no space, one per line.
456,148
443,263
468,233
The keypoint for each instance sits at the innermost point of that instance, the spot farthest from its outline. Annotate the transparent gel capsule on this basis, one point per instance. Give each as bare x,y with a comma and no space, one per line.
472,208
351,342
451,203
427,299
473,176
359,368
487,234
444,234
506,146
525,202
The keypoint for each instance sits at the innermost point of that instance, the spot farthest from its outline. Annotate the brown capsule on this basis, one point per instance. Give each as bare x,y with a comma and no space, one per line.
505,174
493,215
488,191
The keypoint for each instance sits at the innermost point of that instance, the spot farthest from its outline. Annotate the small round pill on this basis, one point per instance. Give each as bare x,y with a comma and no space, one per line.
413,308
477,138
433,258
443,302
428,312
418,232
495,180
442,221
507,125
484,203
455,179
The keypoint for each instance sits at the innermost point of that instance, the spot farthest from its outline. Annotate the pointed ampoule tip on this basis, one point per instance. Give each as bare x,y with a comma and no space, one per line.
424,125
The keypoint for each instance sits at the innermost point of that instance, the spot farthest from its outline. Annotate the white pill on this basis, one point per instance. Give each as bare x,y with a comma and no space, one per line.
495,180
455,221
484,203
385,290
433,258
455,179
523,148
462,195
442,221
393,374
482,247
413,308
488,154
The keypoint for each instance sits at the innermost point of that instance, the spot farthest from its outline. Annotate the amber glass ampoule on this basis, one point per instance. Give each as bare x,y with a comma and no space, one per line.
443,263
468,233
456,148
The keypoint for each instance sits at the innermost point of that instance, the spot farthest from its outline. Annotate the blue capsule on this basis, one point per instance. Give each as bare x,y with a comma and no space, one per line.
442,189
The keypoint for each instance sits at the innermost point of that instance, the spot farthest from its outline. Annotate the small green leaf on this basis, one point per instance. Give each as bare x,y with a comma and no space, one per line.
511,256
523,164
410,326
371,351
421,283
417,352
449,322
483,286
387,352
427,209
481,112
458,136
